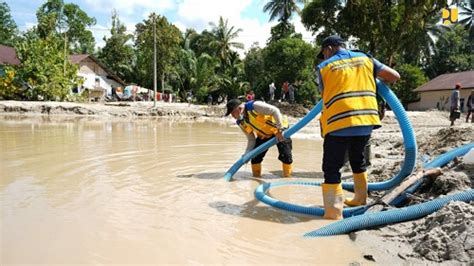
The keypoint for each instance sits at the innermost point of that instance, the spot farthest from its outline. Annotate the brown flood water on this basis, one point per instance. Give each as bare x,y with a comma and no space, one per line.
79,191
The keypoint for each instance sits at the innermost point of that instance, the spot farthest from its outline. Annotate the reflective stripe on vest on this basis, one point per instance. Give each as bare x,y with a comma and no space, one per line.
349,94
263,125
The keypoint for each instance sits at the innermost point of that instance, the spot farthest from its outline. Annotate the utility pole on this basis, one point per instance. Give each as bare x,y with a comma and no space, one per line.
65,38
154,58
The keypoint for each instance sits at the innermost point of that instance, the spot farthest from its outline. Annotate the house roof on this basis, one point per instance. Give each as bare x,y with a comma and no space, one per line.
448,81
8,56
77,58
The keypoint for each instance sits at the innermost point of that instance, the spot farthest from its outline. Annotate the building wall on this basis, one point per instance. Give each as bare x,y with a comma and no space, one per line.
436,100
94,75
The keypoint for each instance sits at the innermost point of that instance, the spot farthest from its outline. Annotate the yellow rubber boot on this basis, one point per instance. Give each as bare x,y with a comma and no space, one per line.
287,169
360,190
333,198
257,170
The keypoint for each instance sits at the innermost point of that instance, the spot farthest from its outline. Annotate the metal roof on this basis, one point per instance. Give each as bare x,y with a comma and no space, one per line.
448,81
77,58
8,56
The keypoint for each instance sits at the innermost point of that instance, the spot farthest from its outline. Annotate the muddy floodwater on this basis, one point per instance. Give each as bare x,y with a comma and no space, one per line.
82,191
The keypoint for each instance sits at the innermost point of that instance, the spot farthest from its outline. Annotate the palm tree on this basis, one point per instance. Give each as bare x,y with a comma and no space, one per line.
282,9
223,42
468,11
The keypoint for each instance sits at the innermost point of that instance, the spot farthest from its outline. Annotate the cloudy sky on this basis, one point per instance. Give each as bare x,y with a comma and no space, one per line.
244,14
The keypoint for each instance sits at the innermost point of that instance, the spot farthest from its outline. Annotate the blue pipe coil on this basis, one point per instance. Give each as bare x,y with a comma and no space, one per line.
407,168
260,194
399,215
287,133
389,217
405,125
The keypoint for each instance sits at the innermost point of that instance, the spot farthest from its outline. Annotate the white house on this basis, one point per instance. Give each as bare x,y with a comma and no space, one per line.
435,93
97,77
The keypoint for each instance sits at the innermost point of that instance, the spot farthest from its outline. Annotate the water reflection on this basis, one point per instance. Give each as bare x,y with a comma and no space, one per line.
150,191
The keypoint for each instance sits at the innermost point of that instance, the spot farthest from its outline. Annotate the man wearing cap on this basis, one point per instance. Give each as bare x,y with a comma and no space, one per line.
260,122
349,114
454,103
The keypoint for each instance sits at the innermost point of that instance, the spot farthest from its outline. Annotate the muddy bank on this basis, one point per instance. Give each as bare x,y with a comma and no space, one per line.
446,236
130,109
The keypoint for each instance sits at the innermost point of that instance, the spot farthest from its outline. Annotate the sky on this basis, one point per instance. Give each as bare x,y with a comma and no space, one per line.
245,14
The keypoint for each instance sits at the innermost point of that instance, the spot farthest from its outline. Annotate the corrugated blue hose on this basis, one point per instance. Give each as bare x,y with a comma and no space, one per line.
287,133
440,161
399,215
407,168
405,125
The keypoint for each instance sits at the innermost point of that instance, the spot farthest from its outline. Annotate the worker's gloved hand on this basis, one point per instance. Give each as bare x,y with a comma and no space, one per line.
279,136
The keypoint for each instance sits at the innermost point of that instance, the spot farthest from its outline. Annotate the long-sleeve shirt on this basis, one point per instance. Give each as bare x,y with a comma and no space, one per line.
454,99
264,109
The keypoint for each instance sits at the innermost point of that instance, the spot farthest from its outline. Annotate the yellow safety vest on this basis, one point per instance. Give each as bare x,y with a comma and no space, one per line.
262,125
349,94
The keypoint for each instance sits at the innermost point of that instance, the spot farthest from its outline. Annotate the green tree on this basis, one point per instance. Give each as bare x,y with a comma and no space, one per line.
412,78
387,29
117,54
223,40
254,69
453,53
44,69
283,30
467,18
168,38
282,9
8,28
231,83
9,87
55,16
195,74
201,43
291,60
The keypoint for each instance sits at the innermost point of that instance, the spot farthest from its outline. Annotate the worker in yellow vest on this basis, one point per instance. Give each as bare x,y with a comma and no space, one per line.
349,114
260,122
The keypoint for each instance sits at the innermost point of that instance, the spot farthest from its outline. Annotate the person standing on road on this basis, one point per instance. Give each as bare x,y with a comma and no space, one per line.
470,107
454,104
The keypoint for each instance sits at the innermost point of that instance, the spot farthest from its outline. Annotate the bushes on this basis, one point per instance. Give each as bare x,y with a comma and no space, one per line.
9,89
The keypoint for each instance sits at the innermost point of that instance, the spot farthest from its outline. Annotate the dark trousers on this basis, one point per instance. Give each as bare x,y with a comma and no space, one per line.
284,151
334,150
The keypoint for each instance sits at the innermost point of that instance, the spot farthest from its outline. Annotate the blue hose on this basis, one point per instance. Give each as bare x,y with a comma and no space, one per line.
389,217
439,161
405,125
409,141
399,215
260,194
407,168
287,133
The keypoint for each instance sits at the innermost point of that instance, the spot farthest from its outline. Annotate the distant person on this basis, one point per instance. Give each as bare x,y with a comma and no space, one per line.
189,97
250,96
470,107
271,91
260,122
347,122
291,93
284,90
209,99
454,103
461,103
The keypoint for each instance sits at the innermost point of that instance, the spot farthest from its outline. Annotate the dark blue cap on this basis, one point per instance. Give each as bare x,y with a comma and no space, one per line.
332,40
231,105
